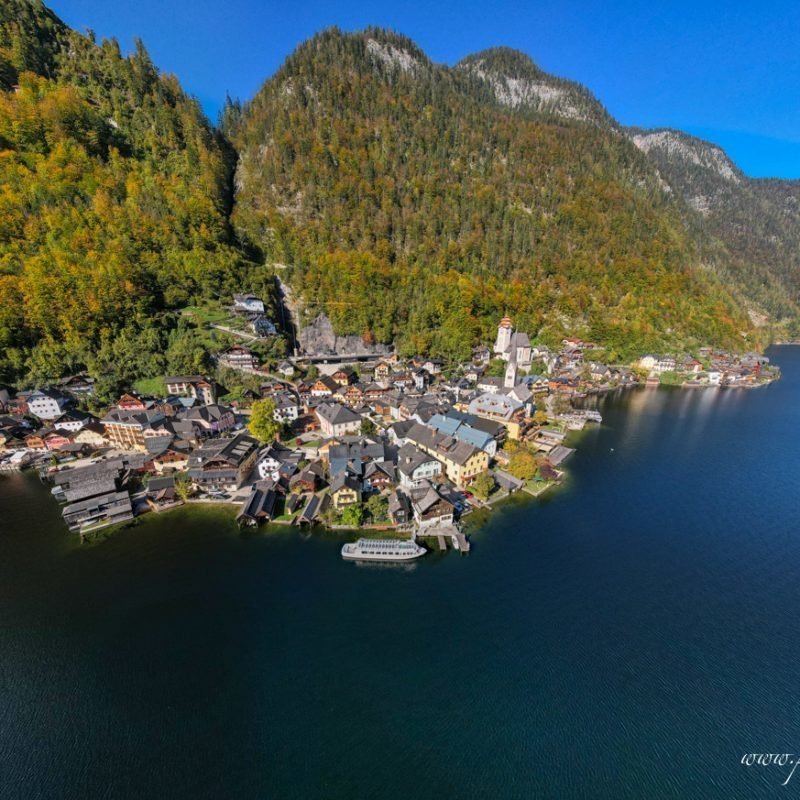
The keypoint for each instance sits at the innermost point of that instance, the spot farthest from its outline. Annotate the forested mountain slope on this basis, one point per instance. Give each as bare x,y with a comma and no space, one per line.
113,208
413,203
758,220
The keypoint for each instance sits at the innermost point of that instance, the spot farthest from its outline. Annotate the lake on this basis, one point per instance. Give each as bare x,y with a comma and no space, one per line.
633,635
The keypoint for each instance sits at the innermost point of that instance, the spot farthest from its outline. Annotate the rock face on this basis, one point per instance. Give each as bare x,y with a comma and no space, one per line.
516,82
319,339
676,147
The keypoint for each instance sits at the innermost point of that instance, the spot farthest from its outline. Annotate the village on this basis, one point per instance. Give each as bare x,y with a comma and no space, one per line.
383,443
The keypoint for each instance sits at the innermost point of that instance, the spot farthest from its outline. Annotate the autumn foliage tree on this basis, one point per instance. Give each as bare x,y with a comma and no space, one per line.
262,423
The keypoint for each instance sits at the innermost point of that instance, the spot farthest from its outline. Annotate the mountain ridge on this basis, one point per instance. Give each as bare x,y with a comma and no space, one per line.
413,202
535,163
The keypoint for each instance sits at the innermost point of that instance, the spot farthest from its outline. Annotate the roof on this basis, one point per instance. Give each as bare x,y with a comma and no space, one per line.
497,405
158,484
144,418
259,505
494,429
336,414
377,467
327,381
209,413
344,481
234,451
112,498
400,429
103,484
410,458
446,447
397,502
425,502
520,339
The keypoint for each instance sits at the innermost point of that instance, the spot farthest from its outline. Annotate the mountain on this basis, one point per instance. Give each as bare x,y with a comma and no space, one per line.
757,220
403,200
515,82
114,209
416,203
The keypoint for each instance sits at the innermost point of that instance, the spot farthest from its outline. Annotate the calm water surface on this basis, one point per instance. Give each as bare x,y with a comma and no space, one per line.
631,637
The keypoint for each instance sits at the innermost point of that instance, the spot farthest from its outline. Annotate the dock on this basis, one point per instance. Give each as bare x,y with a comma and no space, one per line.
460,542
442,542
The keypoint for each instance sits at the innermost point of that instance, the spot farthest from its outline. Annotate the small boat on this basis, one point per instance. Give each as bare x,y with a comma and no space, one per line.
382,550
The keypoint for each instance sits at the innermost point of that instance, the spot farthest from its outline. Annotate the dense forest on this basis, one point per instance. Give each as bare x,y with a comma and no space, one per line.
412,205
114,207
757,220
411,202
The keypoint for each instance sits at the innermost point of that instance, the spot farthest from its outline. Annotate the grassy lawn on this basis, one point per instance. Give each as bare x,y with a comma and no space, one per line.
538,487
154,386
218,316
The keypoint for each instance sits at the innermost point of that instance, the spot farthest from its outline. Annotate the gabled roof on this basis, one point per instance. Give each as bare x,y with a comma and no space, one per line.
398,502
210,413
336,414
234,451
327,382
344,481
379,467
425,501
410,458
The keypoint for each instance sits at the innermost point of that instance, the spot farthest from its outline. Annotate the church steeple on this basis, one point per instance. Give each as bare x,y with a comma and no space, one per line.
503,341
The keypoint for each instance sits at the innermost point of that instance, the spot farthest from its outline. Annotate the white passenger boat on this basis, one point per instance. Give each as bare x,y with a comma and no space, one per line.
382,550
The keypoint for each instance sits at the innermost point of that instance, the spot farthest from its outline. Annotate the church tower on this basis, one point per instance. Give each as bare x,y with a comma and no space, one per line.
503,341
510,380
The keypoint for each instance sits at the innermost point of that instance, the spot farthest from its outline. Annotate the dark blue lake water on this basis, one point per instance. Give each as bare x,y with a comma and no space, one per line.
633,636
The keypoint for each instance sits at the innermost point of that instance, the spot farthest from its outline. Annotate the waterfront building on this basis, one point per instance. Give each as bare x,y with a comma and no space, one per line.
345,491
461,460
223,464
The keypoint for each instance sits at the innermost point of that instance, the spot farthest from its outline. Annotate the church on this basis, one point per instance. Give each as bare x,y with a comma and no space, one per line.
512,346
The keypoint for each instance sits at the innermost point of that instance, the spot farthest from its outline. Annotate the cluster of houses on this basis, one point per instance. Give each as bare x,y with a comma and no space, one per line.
397,429
711,368
251,309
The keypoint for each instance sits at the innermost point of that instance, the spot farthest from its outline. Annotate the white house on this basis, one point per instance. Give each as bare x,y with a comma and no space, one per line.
416,468
248,303
287,409
337,420
271,459
286,368
490,384
665,364
73,421
47,403
648,361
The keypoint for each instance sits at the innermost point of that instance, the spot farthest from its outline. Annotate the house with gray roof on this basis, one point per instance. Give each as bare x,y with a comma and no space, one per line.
337,420
223,464
415,467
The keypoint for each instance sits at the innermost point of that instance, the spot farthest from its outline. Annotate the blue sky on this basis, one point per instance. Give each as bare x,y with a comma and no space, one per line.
726,71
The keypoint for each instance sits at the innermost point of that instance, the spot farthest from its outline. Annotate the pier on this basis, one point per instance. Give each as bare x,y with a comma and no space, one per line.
441,533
